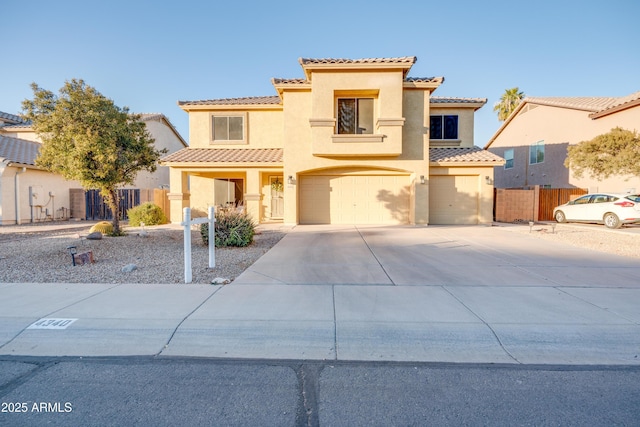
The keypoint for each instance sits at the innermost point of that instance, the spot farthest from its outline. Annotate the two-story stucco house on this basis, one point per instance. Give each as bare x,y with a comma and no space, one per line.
535,137
355,141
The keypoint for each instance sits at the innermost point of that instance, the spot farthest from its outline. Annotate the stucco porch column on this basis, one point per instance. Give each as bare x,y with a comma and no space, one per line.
252,196
179,195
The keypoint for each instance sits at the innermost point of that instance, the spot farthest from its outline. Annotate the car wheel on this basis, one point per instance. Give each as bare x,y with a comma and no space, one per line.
560,216
611,220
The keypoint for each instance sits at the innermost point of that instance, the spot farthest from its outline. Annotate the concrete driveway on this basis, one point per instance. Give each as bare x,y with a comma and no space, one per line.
443,294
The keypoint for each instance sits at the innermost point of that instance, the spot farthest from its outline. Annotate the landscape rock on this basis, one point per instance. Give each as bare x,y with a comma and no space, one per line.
129,268
96,235
220,281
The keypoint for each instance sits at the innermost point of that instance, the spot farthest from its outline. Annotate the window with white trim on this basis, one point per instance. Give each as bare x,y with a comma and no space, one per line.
228,128
355,116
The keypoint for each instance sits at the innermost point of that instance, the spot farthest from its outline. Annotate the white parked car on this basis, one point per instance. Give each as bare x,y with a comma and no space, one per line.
610,209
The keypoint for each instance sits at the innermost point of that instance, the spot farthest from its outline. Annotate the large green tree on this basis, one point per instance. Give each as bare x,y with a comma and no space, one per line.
614,153
509,100
86,137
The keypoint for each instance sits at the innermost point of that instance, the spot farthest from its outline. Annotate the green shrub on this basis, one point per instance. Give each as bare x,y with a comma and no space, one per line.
231,229
147,213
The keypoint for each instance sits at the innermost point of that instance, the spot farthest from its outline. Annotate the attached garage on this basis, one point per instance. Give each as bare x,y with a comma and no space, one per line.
454,199
354,199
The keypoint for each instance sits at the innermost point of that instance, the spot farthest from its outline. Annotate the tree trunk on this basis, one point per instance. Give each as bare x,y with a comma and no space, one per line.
113,200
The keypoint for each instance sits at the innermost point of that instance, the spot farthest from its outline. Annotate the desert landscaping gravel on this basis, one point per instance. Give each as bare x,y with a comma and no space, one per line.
35,254
38,253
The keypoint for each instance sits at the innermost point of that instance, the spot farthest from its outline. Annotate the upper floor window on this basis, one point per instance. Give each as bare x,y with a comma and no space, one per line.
443,127
228,128
536,153
508,158
355,116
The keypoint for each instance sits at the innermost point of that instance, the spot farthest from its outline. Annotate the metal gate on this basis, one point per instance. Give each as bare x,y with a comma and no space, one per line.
97,208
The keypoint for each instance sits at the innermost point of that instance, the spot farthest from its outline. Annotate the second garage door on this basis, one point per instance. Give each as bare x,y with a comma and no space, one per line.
354,199
453,199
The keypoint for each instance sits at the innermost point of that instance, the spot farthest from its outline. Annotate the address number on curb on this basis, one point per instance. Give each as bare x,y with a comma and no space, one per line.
52,324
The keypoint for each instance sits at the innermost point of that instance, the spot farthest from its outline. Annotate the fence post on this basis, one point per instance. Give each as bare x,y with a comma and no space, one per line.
186,216
212,238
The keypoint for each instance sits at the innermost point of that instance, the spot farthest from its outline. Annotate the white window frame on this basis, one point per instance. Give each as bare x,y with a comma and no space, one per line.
218,141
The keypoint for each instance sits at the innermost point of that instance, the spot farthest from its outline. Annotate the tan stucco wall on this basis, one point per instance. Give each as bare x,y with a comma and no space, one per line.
44,182
264,129
558,128
465,122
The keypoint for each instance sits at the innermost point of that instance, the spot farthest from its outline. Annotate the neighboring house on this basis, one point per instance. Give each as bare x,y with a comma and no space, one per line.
534,140
356,141
29,194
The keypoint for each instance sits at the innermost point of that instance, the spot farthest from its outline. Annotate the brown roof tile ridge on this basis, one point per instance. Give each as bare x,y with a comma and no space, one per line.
624,100
589,103
451,99
250,100
280,81
401,59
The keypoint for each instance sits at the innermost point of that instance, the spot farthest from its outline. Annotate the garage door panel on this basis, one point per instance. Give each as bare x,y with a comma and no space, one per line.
354,199
453,199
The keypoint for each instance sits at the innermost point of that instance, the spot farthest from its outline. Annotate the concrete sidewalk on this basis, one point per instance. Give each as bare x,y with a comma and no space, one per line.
442,294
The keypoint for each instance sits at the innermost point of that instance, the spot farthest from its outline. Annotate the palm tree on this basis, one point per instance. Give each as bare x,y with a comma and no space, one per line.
509,100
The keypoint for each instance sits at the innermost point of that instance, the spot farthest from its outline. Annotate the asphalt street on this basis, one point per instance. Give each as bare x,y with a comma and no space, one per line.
207,392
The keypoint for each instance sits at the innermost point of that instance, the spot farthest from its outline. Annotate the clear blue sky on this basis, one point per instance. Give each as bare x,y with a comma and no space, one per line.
147,55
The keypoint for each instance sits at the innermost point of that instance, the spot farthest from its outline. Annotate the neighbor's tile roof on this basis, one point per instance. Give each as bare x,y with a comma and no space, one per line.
462,154
225,155
620,104
587,103
401,60
15,150
11,117
249,100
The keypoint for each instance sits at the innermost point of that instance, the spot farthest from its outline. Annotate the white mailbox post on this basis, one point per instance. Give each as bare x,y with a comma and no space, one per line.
187,223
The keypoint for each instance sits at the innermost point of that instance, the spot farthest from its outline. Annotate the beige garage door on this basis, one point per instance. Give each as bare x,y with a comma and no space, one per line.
354,199
453,199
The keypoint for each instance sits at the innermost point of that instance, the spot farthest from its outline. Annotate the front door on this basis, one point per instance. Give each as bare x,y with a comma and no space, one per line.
277,199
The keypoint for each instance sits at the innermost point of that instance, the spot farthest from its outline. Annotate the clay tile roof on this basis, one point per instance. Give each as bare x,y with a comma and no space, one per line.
425,79
15,150
462,154
250,100
587,103
225,155
401,60
11,117
620,104
450,100
277,81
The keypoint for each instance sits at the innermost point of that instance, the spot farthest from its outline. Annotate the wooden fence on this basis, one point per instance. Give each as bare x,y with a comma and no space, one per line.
552,197
536,204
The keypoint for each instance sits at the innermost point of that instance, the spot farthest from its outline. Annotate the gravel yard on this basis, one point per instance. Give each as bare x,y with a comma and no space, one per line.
38,253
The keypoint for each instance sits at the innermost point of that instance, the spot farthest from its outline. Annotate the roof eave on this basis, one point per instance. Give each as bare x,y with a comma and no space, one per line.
615,109
449,163
228,165
227,107
309,67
